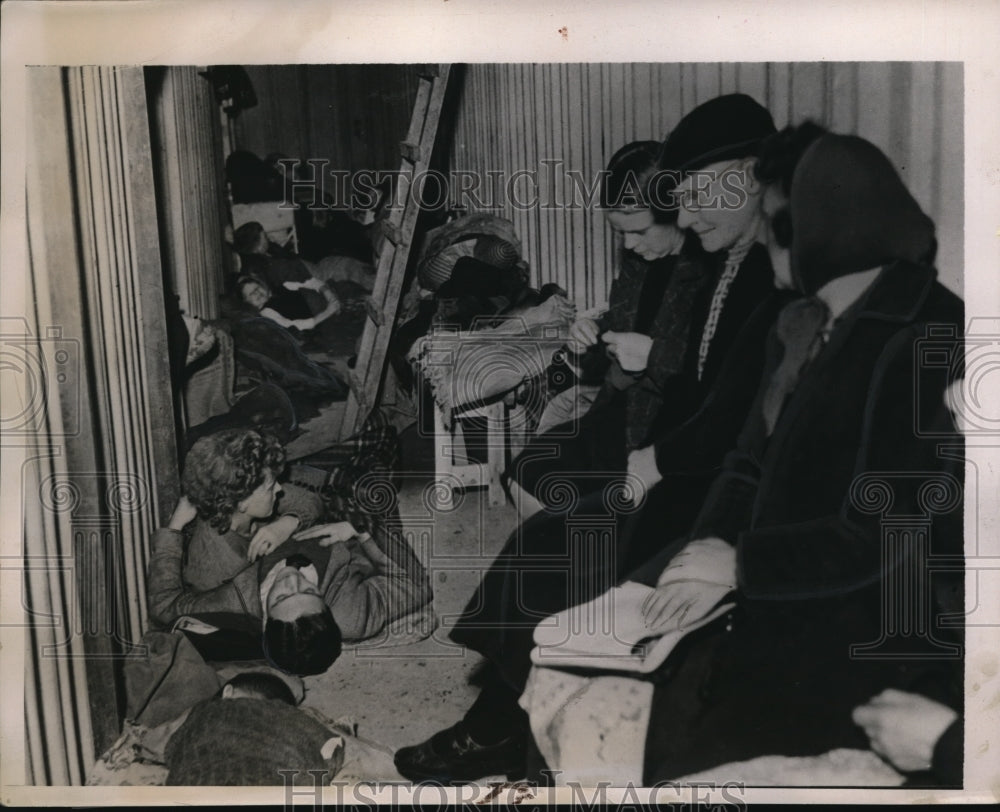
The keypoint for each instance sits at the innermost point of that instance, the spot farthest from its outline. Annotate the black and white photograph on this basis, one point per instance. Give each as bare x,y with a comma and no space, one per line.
477,403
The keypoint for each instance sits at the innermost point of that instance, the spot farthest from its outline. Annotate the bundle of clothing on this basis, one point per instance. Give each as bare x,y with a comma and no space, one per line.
466,368
473,327
194,723
270,350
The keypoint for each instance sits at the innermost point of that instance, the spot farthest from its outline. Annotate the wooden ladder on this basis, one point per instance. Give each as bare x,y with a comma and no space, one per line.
369,370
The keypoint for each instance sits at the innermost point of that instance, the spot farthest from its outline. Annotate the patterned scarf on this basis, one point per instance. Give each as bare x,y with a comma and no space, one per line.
734,259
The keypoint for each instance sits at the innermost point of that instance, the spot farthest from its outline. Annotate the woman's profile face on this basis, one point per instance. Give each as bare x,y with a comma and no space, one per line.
642,235
260,503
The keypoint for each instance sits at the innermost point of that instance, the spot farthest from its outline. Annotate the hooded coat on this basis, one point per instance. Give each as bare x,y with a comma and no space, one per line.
838,506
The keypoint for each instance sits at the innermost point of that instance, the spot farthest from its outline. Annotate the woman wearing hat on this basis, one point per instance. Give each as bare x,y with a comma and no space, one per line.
793,529
705,308
738,305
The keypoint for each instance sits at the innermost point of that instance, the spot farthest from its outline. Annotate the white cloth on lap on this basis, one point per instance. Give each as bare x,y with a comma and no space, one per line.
592,729
838,768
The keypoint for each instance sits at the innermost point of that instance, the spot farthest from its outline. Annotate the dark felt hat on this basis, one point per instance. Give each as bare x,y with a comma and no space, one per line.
724,128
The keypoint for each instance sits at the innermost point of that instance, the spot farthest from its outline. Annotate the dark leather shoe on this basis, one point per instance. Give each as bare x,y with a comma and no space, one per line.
451,756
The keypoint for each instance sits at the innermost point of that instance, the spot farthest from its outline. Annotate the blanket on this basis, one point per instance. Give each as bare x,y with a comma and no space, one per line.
593,729
465,368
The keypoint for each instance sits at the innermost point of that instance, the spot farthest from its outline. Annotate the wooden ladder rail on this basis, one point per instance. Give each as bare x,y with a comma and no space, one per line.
369,370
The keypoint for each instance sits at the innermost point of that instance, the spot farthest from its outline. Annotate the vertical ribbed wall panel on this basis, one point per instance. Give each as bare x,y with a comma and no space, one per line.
186,126
353,116
105,469
580,115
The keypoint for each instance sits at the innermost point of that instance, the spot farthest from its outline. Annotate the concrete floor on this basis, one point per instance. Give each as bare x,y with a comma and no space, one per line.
402,694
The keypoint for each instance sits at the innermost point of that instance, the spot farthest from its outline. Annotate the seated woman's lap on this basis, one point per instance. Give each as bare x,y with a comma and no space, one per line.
583,455
552,561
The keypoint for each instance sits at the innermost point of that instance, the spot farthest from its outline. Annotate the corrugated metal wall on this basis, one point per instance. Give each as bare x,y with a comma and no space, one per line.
352,115
517,117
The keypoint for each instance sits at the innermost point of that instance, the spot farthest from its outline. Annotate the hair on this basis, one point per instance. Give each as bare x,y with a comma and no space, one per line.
310,644
627,182
247,237
262,686
247,279
223,469
777,159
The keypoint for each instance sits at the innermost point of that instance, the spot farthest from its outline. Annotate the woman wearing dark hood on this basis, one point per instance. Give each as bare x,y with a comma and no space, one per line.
829,503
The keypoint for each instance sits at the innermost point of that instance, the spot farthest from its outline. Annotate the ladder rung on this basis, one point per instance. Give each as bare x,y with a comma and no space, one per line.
412,152
374,312
392,233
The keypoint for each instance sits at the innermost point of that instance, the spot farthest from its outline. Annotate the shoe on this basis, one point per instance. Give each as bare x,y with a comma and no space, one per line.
451,756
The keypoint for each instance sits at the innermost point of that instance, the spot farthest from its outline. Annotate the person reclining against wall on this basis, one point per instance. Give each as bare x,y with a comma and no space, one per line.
275,265
243,511
310,590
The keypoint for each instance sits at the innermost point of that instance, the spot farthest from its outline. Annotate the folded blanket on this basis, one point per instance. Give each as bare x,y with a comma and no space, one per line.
209,390
465,368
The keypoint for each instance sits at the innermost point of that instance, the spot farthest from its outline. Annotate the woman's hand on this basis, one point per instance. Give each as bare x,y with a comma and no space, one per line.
272,535
582,334
327,534
631,350
642,465
183,514
904,727
680,603
710,559
698,577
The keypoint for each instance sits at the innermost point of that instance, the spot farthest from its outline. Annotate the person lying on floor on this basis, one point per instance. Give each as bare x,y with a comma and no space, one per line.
309,591
231,478
255,685
286,305
251,734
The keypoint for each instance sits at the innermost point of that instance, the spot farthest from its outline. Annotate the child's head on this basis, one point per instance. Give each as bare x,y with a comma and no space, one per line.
257,685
